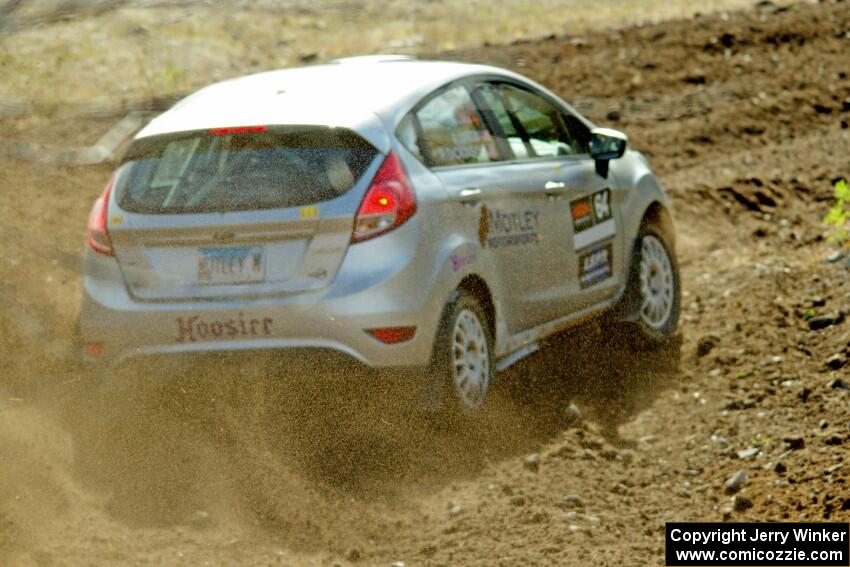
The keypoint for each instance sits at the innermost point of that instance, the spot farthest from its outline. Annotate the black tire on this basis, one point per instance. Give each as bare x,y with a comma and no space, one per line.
456,396
652,330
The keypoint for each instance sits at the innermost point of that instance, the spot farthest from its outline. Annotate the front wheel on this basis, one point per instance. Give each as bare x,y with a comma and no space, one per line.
463,363
656,286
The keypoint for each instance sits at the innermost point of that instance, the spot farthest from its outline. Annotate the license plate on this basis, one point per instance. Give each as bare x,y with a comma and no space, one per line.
231,265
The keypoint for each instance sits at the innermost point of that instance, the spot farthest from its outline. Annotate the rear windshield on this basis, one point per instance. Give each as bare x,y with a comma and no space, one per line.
217,171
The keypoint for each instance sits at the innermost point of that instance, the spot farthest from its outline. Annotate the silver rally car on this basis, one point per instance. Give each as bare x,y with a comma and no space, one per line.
429,215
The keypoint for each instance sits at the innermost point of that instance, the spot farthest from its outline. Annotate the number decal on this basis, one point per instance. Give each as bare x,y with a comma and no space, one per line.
602,205
593,219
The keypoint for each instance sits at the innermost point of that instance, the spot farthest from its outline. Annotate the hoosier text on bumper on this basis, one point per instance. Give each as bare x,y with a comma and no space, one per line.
195,328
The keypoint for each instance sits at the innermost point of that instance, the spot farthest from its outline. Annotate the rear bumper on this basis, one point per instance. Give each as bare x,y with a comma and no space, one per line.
116,327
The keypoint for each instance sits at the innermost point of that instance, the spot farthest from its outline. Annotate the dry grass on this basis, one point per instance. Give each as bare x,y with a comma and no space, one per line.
107,50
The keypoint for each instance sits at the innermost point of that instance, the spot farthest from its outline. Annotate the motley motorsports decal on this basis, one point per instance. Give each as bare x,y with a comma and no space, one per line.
593,218
594,265
500,229
484,226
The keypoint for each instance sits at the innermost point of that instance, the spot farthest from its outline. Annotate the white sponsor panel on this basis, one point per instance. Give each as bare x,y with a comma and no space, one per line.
595,234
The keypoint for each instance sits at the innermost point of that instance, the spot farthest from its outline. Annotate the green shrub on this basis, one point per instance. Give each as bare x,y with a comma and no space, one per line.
839,213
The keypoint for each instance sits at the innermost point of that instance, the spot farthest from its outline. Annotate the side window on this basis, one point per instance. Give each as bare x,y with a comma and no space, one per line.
407,136
546,131
491,96
541,122
453,131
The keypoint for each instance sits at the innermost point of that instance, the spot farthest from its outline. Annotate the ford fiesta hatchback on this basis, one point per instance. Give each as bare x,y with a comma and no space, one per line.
431,215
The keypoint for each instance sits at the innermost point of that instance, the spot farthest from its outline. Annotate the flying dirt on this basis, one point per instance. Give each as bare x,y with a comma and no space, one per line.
587,449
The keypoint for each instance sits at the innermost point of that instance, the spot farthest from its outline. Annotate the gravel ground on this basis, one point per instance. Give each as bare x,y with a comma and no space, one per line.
587,449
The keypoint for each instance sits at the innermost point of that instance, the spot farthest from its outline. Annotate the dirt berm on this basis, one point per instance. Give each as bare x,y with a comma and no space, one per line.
745,119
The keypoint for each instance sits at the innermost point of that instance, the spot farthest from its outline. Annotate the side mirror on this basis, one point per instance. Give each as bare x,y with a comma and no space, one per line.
605,145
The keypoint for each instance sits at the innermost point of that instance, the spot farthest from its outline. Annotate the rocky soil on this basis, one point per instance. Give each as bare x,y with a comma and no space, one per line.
587,450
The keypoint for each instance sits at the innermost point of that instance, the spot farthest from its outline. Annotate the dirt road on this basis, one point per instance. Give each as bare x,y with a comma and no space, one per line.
745,118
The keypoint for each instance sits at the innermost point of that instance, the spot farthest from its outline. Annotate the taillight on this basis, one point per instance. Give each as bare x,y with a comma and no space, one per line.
388,203
98,236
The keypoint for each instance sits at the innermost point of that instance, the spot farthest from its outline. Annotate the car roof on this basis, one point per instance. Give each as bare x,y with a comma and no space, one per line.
354,93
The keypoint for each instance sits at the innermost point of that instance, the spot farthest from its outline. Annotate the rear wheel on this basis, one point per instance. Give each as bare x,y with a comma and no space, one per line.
463,363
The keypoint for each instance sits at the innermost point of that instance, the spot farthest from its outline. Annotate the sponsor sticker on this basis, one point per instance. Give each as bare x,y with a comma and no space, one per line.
197,328
593,219
602,206
483,226
308,212
460,261
502,229
582,214
594,266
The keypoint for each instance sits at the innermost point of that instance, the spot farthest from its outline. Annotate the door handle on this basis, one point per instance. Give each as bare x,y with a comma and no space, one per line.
470,196
554,188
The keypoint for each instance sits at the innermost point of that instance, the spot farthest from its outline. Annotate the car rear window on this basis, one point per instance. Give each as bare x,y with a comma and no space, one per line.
240,169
